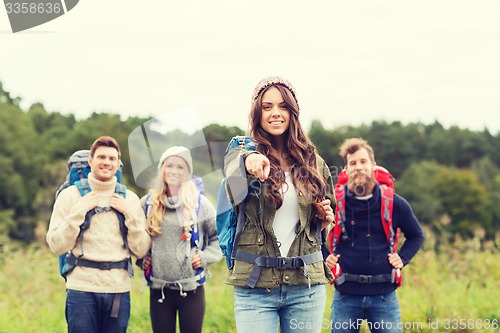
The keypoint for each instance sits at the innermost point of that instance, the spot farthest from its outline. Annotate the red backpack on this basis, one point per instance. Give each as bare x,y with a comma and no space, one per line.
385,179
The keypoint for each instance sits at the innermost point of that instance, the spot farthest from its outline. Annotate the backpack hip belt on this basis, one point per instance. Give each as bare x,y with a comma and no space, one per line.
276,262
365,279
102,265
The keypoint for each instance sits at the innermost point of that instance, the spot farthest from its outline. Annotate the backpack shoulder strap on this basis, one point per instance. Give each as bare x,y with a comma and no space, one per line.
121,189
148,205
195,234
198,182
335,234
83,186
386,208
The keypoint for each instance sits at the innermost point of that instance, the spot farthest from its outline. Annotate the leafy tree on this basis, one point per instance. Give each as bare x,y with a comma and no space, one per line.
486,171
473,147
217,138
464,200
417,186
19,161
442,146
7,223
327,143
6,98
51,127
495,199
492,146
218,133
396,146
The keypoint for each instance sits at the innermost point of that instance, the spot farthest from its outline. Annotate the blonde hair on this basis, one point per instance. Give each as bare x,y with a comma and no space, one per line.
188,194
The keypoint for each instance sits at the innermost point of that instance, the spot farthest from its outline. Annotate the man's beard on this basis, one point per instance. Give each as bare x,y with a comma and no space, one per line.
360,187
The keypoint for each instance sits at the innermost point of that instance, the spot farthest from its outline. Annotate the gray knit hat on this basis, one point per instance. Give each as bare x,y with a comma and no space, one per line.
180,151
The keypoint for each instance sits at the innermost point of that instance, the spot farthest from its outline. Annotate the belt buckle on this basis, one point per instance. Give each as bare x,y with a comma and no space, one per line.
286,263
105,266
365,278
283,263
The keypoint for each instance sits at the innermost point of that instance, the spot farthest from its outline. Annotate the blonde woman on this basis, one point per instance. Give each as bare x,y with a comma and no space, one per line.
181,222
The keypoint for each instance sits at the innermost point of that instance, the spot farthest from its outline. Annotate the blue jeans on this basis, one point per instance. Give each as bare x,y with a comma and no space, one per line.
294,308
91,312
380,311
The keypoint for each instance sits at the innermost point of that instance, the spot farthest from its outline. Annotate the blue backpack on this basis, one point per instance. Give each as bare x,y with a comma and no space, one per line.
229,224
195,235
78,170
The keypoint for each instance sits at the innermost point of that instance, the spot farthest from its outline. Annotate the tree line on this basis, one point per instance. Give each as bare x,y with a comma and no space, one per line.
449,175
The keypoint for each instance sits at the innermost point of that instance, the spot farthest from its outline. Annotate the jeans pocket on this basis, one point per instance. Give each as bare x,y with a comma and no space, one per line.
339,296
390,298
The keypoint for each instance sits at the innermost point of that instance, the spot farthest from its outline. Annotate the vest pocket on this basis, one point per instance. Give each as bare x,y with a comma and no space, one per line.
311,238
251,236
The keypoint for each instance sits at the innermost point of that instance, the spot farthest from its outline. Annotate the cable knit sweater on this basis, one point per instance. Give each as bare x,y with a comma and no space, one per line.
103,241
171,256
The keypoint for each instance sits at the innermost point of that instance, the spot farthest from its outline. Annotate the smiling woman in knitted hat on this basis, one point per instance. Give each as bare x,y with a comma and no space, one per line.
279,275
177,170
181,222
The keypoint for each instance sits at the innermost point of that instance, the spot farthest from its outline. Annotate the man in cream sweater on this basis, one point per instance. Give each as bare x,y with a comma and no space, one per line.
98,298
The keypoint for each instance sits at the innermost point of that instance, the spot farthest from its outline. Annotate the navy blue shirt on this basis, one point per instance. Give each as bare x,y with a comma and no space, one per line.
366,251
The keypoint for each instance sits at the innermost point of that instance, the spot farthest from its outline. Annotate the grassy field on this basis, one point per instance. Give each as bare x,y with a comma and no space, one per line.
454,290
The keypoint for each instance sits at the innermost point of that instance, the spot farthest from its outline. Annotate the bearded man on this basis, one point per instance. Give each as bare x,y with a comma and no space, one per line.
366,291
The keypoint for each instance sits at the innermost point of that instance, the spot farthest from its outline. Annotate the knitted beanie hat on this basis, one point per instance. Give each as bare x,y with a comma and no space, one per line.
179,151
273,80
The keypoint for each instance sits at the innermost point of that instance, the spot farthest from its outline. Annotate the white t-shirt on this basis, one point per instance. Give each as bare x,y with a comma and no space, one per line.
287,216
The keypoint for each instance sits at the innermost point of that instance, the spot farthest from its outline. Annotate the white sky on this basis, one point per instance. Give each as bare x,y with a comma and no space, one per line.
351,61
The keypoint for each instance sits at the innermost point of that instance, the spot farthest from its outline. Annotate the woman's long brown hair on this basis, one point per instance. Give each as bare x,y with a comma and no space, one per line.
300,148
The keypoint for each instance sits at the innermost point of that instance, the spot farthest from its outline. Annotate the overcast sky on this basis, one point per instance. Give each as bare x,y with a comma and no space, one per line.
351,61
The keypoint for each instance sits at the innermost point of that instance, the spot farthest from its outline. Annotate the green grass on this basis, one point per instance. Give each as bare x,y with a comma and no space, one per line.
459,283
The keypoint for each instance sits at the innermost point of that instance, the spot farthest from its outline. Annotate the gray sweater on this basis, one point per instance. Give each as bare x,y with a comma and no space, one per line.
171,256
